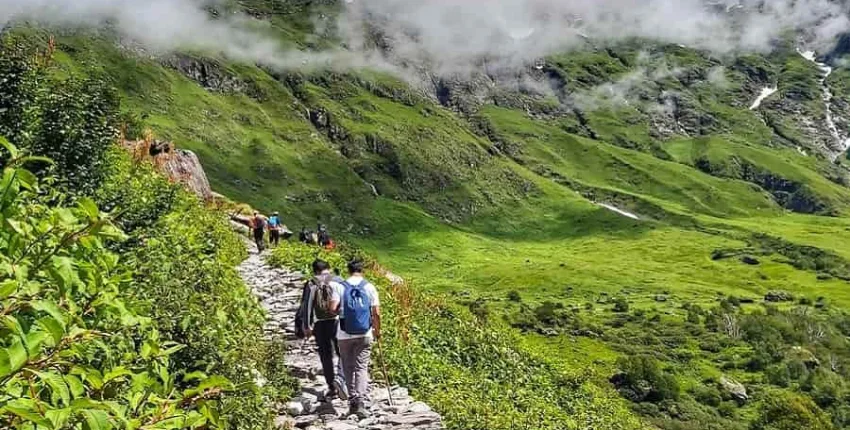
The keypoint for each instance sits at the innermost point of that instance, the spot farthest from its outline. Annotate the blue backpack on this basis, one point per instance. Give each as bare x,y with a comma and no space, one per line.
356,308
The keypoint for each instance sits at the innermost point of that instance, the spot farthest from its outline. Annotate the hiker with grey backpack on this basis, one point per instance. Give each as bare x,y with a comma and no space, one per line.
318,316
360,325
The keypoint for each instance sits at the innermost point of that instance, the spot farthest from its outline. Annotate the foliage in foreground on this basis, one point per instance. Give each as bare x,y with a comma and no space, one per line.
75,350
474,374
142,336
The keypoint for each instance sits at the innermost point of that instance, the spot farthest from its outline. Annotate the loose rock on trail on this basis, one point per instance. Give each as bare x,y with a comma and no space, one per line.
279,291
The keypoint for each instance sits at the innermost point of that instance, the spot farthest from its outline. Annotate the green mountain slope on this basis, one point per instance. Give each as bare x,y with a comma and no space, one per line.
495,197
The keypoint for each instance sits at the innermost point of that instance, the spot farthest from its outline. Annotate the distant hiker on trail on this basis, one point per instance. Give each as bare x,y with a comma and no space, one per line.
360,323
308,237
324,238
258,224
274,229
318,315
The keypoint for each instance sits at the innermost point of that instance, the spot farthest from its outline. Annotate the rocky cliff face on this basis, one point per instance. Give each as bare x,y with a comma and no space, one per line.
178,165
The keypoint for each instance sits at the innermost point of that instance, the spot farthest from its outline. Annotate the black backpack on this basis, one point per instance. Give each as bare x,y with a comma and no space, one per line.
304,313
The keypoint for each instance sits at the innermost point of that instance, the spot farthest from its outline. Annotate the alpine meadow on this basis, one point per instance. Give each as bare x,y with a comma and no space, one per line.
579,214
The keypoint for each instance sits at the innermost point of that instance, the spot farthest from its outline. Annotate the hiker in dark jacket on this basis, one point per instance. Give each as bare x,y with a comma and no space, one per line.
319,317
258,225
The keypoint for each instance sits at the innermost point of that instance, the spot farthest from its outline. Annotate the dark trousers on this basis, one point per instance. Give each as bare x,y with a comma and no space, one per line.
274,237
258,239
325,333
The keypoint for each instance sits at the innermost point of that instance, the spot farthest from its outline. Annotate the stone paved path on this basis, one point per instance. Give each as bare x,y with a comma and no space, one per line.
279,291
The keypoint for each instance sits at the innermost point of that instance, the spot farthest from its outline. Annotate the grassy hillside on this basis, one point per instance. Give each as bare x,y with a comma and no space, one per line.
497,202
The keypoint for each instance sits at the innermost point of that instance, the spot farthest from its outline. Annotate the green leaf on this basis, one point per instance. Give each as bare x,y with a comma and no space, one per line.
62,271
28,410
172,350
59,417
195,376
34,341
52,309
12,149
89,207
53,327
95,419
8,287
75,385
116,373
27,179
13,325
58,387
12,358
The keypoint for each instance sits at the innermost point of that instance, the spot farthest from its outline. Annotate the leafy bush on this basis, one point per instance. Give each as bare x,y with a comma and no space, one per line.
77,349
621,305
785,411
184,257
514,296
641,379
71,121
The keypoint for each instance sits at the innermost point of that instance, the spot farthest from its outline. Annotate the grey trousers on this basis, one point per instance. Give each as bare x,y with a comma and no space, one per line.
356,354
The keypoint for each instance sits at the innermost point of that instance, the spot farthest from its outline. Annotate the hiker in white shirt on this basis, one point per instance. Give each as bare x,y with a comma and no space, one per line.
356,335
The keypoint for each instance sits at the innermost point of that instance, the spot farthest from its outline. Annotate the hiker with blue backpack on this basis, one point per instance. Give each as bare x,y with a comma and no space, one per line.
360,325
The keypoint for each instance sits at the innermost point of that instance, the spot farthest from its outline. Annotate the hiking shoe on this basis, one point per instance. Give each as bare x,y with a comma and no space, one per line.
330,395
340,389
363,413
359,410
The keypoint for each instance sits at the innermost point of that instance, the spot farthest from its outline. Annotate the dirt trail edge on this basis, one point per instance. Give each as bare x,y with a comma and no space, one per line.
279,291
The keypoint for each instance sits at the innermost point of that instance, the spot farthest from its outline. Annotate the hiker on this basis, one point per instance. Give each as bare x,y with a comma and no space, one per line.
274,229
258,224
318,316
360,324
324,238
308,237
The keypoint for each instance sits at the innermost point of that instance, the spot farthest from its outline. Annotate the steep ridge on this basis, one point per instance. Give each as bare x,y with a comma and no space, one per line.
279,292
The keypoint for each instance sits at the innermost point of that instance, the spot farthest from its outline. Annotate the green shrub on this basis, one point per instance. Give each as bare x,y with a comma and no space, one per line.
77,350
514,296
184,257
71,121
782,410
642,379
621,305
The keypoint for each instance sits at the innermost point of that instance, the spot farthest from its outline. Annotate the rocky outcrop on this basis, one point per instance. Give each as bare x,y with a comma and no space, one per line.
392,408
178,165
212,76
735,389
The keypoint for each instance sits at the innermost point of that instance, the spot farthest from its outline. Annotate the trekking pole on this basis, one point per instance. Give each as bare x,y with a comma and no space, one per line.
386,375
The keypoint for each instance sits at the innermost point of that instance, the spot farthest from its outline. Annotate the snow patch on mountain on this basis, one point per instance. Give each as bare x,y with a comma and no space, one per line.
765,93
624,213
843,143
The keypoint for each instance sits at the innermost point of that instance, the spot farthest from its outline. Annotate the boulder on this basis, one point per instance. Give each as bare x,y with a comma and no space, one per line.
294,408
735,389
178,165
749,259
805,356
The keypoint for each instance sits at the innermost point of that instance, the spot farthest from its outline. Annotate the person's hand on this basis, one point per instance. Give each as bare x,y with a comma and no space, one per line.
377,333
308,333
